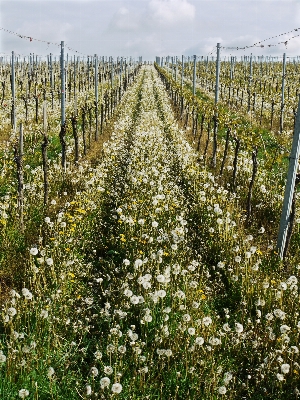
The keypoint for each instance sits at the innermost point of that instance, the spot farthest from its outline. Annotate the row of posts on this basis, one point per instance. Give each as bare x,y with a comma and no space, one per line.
287,215
217,83
18,148
63,79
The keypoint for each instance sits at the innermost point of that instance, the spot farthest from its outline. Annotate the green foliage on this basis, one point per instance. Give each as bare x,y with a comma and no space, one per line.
142,270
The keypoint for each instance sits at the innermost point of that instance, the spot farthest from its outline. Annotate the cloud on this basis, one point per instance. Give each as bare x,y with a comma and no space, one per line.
153,14
44,30
171,12
204,47
125,20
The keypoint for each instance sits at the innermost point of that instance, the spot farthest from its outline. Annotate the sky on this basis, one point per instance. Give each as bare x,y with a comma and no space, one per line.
149,28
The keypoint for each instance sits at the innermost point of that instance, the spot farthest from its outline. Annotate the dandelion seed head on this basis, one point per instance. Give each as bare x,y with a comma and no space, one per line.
49,261
88,390
116,388
50,372
160,278
280,377
104,382
34,251
23,393
2,357
206,321
222,390
108,370
94,371
285,368
191,331
11,311
238,327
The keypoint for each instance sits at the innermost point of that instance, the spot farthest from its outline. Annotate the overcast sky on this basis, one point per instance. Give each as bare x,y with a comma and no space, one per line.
149,27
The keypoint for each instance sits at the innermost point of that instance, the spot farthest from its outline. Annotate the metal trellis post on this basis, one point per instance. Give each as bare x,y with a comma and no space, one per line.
194,76
62,78
290,186
13,90
217,74
182,71
96,95
282,92
250,74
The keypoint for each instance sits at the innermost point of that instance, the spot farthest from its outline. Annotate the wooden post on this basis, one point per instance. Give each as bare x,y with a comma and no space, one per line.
236,153
45,123
44,154
112,73
75,135
250,74
231,68
251,184
290,187
18,157
83,115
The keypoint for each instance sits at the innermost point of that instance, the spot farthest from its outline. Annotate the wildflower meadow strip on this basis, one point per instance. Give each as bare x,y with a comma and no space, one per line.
45,326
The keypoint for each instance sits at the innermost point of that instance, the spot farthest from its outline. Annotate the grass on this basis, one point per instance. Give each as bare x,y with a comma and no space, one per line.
143,280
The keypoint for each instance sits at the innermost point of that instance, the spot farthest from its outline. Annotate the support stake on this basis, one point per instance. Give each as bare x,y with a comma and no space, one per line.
290,187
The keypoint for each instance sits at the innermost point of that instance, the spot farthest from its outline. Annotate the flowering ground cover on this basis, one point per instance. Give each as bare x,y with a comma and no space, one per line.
147,284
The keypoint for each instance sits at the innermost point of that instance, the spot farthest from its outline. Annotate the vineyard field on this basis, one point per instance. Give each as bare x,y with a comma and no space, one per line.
138,253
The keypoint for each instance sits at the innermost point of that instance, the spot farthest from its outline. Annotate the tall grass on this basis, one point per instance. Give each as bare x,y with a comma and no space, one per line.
147,285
